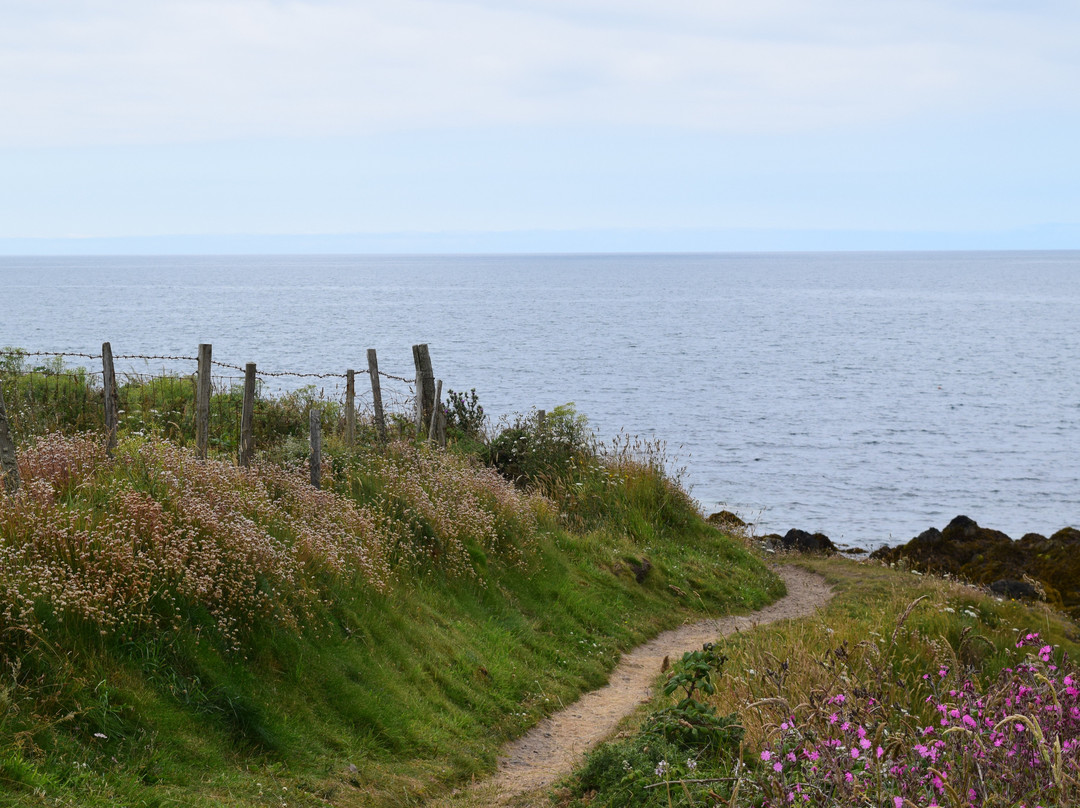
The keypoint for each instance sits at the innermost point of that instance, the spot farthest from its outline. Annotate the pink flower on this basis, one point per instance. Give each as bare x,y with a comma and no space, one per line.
766,755
778,766
898,802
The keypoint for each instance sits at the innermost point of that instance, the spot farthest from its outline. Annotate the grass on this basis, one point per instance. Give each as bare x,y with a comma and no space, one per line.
184,632
905,691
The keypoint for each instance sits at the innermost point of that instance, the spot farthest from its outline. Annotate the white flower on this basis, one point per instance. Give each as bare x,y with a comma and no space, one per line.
661,768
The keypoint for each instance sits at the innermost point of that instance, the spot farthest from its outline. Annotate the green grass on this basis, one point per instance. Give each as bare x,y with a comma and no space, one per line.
905,642
382,687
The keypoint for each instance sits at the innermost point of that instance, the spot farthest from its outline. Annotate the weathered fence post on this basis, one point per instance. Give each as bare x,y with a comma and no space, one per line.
433,429
9,466
247,417
316,446
425,386
202,402
112,399
376,394
350,407
419,414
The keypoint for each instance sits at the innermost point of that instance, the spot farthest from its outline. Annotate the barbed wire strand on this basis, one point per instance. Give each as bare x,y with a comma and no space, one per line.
258,373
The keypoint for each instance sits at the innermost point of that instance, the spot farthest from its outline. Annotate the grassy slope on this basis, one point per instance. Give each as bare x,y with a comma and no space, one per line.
954,627
385,698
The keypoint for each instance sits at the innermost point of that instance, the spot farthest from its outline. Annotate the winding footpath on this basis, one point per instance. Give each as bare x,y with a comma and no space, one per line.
557,744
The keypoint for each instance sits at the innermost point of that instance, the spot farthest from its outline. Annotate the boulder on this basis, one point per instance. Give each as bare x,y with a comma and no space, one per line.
1016,590
803,542
724,519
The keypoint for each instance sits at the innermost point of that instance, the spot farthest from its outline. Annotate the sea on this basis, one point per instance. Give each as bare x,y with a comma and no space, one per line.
868,396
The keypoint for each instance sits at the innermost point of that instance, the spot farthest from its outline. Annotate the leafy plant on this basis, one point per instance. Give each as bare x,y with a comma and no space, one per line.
464,414
693,723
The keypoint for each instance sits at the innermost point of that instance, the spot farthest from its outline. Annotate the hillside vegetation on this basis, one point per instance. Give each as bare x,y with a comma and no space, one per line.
185,632
907,691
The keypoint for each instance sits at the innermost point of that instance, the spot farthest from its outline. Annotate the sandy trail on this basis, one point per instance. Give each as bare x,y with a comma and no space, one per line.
557,744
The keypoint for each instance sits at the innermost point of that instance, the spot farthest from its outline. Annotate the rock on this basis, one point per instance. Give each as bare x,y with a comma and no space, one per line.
641,569
1016,590
989,557
725,519
803,542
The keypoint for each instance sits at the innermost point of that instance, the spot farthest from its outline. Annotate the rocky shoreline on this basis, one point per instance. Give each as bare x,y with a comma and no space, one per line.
1035,567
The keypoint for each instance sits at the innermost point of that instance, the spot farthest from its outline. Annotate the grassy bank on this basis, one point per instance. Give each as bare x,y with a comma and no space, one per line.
176,632
906,691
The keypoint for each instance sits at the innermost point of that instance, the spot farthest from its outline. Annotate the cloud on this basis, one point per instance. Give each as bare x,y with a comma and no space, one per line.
168,71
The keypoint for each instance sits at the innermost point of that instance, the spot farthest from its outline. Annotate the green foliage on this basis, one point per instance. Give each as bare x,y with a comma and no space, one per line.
693,723
862,704
677,743
544,452
199,630
464,415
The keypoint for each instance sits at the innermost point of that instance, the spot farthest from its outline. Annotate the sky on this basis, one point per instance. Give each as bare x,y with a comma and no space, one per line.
538,125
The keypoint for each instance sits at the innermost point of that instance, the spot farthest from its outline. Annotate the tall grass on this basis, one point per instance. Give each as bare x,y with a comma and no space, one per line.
905,692
162,617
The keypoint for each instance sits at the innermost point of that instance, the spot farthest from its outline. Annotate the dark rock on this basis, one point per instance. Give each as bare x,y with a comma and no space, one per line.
1017,590
803,542
984,556
641,569
928,538
725,519
852,550
1068,536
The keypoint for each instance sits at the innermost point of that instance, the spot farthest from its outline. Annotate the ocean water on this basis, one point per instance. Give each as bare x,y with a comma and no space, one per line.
865,395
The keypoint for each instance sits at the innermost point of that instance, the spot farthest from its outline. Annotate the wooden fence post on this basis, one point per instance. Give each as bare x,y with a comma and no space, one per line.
419,413
425,386
350,407
376,394
316,446
247,417
9,466
112,399
433,429
202,402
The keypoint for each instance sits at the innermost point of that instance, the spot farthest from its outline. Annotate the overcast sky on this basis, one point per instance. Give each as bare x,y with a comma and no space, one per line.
589,121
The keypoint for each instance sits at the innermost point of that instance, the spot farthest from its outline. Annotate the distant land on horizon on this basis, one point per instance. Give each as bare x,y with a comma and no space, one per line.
1045,237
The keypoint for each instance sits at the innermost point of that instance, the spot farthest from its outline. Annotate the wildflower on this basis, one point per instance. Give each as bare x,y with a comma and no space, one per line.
766,755
661,768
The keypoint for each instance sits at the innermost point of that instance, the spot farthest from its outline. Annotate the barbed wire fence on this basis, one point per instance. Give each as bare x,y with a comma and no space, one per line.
200,400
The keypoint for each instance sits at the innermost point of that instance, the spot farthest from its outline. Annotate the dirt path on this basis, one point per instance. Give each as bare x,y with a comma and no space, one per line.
554,746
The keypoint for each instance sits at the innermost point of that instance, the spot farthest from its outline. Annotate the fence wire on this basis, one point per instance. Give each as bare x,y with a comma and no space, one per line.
54,396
